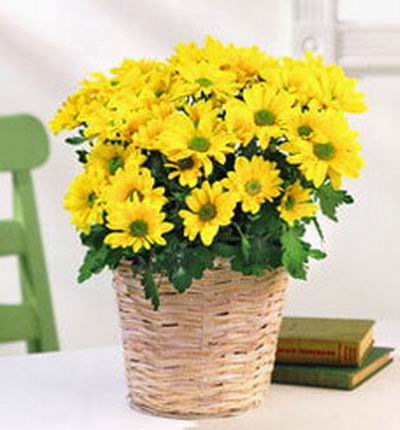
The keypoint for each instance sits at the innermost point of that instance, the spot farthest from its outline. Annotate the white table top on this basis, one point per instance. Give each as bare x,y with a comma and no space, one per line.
85,390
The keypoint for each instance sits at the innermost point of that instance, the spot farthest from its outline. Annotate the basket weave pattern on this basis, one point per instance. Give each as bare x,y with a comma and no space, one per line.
207,352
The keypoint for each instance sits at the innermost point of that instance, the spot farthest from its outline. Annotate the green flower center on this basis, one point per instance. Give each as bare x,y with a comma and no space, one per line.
304,130
139,228
253,187
324,151
134,193
91,199
199,144
264,117
204,82
186,163
207,212
114,164
290,202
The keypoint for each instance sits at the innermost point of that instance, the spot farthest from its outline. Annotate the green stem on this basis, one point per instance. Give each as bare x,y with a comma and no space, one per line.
245,244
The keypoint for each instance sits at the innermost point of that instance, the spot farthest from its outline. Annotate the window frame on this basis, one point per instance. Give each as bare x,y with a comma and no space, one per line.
358,47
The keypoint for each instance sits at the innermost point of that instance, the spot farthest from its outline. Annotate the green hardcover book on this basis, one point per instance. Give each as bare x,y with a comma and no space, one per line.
345,378
331,341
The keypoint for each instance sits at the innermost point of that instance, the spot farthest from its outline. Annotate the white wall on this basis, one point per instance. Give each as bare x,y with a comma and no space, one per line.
47,46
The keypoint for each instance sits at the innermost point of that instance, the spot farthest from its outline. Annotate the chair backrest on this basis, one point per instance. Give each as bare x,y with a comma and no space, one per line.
24,146
23,143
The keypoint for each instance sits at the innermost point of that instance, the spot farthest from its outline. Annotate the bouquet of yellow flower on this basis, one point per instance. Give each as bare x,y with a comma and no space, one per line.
221,151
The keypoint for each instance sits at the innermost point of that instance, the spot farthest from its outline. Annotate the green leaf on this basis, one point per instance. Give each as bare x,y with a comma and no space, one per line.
245,246
95,238
82,156
198,260
189,264
224,249
294,255
318,228
99,255
78,140
330,199
114,257
94,262
265,252
266,222
239,264
181,279
150,288
257,270
260,249
317,254
272,254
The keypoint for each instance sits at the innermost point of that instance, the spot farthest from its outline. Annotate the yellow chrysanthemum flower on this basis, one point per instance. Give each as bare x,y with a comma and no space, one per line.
209,209
133,74
206,139
201,109
292,76
186,53
112,157
206,78
302,124
296,204
136,224
187,170
253,182
146,136
83,199
334,88
102,123
263,109
332,151
129,183
135,158
158,82
67,116
249,62
246,62
132,113
70,115
240,121
133,121
144,83
342,93
215,52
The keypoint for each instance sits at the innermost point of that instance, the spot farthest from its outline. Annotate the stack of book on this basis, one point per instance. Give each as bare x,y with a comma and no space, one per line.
325,352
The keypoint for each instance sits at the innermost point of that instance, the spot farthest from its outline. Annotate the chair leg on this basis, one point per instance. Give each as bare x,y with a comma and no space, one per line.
47,340
33,273
34,345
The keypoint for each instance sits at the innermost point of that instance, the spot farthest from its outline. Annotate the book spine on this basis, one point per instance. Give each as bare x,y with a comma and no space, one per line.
304,351
348,354
288,375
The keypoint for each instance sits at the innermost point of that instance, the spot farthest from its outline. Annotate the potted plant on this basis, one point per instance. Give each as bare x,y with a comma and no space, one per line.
200,176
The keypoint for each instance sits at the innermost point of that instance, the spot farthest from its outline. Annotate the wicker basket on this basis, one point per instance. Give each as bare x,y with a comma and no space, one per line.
207,352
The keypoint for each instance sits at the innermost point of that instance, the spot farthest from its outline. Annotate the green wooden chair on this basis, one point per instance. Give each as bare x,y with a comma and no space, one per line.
24,146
